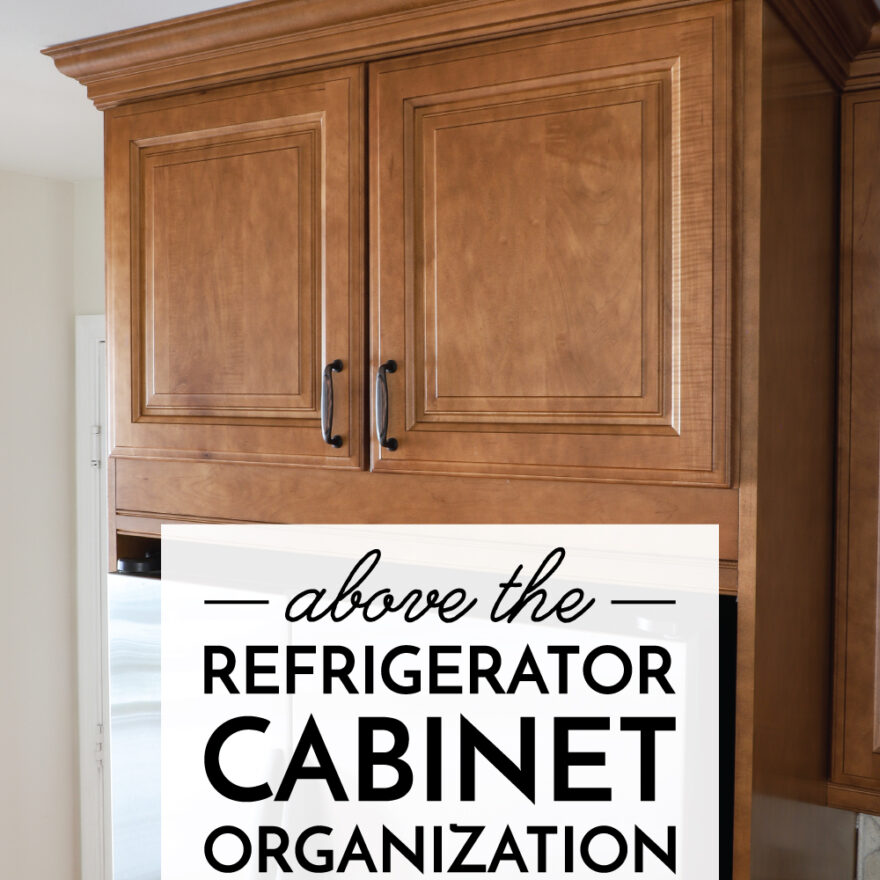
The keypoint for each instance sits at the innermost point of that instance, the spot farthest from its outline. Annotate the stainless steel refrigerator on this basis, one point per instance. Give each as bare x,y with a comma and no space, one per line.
134,646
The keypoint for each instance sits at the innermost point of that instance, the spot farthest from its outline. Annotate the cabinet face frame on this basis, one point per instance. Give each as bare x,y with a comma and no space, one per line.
283,154
675,430
856,732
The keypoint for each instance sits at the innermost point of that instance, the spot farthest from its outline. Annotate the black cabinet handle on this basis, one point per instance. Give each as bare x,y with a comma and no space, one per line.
327,404
382,405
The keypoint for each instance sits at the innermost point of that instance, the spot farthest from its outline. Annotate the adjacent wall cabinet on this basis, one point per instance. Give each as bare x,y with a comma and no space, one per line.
856,765
235,229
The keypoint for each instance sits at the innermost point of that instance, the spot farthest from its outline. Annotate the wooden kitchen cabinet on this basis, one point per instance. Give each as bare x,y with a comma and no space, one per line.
565,315
599,241
571,192
235,235
550,233
856,753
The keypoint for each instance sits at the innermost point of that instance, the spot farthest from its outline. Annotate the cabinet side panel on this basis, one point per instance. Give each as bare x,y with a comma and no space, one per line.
794,528
856,743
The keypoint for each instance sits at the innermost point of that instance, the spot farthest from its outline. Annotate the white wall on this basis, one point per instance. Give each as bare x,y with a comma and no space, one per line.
88,247
41,223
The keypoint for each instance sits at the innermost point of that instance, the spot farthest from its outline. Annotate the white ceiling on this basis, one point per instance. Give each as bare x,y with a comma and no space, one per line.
48,126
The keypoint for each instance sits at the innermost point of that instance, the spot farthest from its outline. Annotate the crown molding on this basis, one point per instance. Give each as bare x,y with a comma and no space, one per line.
865,69
833,31
266,37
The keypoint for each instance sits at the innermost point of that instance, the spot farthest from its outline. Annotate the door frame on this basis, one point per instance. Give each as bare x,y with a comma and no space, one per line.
91,596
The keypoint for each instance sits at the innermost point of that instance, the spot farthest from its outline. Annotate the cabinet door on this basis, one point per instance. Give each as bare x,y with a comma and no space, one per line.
549,224
857,674
234,226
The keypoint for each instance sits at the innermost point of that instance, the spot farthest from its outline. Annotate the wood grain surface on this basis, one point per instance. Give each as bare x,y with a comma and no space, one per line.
550,229
235,260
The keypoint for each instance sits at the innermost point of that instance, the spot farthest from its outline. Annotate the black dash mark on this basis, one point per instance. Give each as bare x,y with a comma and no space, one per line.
236,601
643,601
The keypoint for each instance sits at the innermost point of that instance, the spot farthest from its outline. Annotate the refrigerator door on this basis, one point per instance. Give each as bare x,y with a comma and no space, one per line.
133,622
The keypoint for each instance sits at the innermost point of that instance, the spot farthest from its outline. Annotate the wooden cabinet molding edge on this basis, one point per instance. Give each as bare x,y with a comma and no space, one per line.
850,797
148,526
264,37
211,491
864,72
833,31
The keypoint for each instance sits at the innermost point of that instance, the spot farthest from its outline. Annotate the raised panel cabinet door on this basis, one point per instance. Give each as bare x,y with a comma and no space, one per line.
549,254
236,272
857,674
